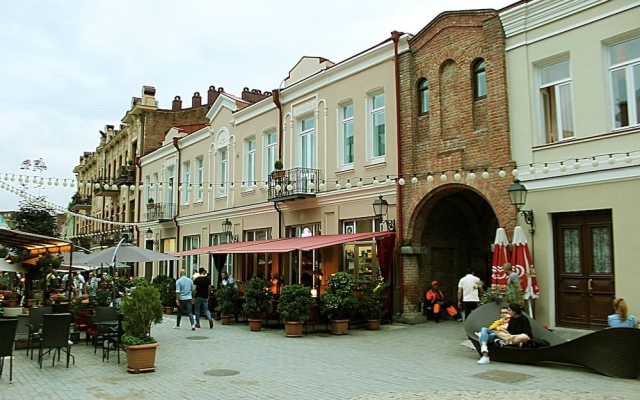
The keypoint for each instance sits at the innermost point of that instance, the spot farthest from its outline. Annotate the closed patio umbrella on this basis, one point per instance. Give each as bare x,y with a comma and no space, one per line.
500,257
126,253
523,266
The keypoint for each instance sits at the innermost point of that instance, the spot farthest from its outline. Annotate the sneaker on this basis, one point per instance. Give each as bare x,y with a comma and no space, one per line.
484,360
69,342
477,334
197,325
210,323
193,327
459,320
484,349
176,327
500,342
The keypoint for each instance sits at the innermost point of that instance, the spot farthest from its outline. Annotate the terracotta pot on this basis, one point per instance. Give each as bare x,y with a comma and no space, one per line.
255,325
225,319
10,303
293,329
339,326
31,302
373,324
141,358
168,310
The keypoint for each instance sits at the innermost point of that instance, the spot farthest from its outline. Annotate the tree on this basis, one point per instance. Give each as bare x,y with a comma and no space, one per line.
33,218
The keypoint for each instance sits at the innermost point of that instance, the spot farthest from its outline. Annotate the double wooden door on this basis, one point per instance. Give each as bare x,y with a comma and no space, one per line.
583,251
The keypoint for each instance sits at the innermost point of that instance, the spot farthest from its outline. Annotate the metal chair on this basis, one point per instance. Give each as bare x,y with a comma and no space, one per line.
62,308
7,333
55,336
113,340
35,324
22,332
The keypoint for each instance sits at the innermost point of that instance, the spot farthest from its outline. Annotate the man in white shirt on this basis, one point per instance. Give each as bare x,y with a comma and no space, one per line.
469,290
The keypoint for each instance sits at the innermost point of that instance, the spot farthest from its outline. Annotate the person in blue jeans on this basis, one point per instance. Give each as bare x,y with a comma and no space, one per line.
489,335
184,298
203,288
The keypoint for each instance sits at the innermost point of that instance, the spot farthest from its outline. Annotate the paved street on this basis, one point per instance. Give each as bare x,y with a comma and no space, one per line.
426,361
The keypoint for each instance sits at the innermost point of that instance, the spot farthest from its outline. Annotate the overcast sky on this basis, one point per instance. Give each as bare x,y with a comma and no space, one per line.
70,67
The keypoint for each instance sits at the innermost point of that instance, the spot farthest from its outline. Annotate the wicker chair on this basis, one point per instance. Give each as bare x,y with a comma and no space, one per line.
36,318
611,352
55,337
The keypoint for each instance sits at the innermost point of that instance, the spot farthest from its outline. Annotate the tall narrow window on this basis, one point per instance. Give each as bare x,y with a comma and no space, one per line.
557,103
191,263
250,175
170,185
271,147
480,79
378,127
222,172
186,182
346,114
199,187
307,143
423,95
147,189
624,60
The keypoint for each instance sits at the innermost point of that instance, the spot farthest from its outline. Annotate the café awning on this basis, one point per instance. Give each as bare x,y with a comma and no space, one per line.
35,244
285,245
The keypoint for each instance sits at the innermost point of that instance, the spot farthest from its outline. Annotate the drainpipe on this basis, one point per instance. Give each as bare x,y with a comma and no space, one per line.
276,101
395,36
175,217
275,205
137,161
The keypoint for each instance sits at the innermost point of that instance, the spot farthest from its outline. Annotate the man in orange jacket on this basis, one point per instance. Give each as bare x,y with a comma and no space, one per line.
435,298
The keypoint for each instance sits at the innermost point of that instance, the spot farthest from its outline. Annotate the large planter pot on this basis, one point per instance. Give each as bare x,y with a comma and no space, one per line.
10,303
293,329
225,319
255,325
141,358
168,310
339,326
373,324
31,302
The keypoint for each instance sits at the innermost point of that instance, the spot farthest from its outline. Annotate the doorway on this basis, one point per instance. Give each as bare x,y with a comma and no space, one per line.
584,268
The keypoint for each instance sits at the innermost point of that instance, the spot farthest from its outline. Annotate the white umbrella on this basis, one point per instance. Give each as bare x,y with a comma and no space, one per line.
126,253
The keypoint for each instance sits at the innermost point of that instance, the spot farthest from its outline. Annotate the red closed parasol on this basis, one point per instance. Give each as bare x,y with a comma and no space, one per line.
523,266
500,248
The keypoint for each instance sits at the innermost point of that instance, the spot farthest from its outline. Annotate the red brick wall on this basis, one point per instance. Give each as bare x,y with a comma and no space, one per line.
158,122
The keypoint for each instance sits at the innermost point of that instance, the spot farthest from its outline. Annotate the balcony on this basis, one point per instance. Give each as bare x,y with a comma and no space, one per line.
160,212
105,187
126,176
292,184
81,203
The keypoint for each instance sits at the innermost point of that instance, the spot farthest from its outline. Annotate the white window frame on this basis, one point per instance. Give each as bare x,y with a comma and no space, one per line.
170,184
627,66
270,152
346,122
156,192
186,182
250,164
192,262
308,135
376,155
223,172
147,189
557,87
199,187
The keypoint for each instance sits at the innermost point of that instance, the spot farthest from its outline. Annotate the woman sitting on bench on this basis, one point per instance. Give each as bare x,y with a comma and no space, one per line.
519,329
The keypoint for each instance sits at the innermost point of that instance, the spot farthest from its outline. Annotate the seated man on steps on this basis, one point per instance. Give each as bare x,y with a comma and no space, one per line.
434,298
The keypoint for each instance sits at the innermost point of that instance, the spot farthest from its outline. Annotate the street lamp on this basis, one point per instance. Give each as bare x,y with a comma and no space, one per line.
380,208
226,228
518,197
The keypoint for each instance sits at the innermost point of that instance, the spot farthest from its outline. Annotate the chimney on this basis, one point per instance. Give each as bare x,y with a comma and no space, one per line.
196,100
148,96
212,95
177,104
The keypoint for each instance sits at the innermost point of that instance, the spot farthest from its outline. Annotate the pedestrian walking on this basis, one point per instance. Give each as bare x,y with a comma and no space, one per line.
203,288
184,298
469,291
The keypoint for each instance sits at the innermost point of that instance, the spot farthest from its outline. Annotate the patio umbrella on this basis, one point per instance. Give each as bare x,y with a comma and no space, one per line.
126,253
500,257
7,267
523,266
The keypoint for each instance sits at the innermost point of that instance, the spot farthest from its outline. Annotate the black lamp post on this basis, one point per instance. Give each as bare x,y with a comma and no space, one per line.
380,208
518,197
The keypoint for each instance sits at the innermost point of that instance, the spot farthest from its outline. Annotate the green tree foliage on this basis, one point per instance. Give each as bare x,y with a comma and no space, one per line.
33,218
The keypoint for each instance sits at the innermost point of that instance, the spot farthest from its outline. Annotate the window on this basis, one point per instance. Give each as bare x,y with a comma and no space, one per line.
378,130
480,79
624,59
250,176
186,182
423,96
217,262
156,188
307,143
222,172
191,263
346,116
557,104
271,147
199,188
170,185
147,188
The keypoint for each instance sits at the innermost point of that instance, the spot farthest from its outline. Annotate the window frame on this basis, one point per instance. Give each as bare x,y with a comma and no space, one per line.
170,184
479,77
421,89
631,86
223,172
250,162
345,122
372,135
186,182
309,135
192,262
199,187
551,105
270,152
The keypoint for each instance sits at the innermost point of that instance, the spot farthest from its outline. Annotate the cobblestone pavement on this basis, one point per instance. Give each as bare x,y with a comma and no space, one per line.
426,361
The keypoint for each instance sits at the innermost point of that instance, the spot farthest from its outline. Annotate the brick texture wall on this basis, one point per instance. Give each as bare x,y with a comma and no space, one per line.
158,122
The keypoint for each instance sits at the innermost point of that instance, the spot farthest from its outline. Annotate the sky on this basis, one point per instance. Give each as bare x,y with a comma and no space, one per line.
70,67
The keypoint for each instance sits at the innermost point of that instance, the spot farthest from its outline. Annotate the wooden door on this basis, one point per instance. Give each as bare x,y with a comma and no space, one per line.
583,251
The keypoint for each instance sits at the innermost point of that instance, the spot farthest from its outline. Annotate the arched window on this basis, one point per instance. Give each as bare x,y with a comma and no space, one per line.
423,96
479,79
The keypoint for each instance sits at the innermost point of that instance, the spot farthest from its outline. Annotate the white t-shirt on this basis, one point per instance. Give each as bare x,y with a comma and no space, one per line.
469,290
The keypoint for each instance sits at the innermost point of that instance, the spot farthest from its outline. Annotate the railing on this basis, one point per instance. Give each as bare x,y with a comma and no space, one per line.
81,203
105,187
295,183
126,176
160,211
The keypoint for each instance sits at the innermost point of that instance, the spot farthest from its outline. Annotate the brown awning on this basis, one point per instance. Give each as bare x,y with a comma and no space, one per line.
284,245
35,244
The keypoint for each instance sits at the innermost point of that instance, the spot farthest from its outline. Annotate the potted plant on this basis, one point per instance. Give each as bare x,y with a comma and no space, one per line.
150,203
31,298
256,301
166,285
131,165
372,302
277,172
141,309
11,299
294,305
338,301
227,298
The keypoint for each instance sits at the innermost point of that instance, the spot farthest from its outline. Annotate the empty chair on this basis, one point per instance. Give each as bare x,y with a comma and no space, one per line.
22,332
61,308
7,333
55,336
105,314
35,324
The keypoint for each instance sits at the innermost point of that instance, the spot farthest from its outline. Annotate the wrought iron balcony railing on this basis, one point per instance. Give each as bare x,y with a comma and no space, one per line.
105,187
126,176
291,184
160,211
